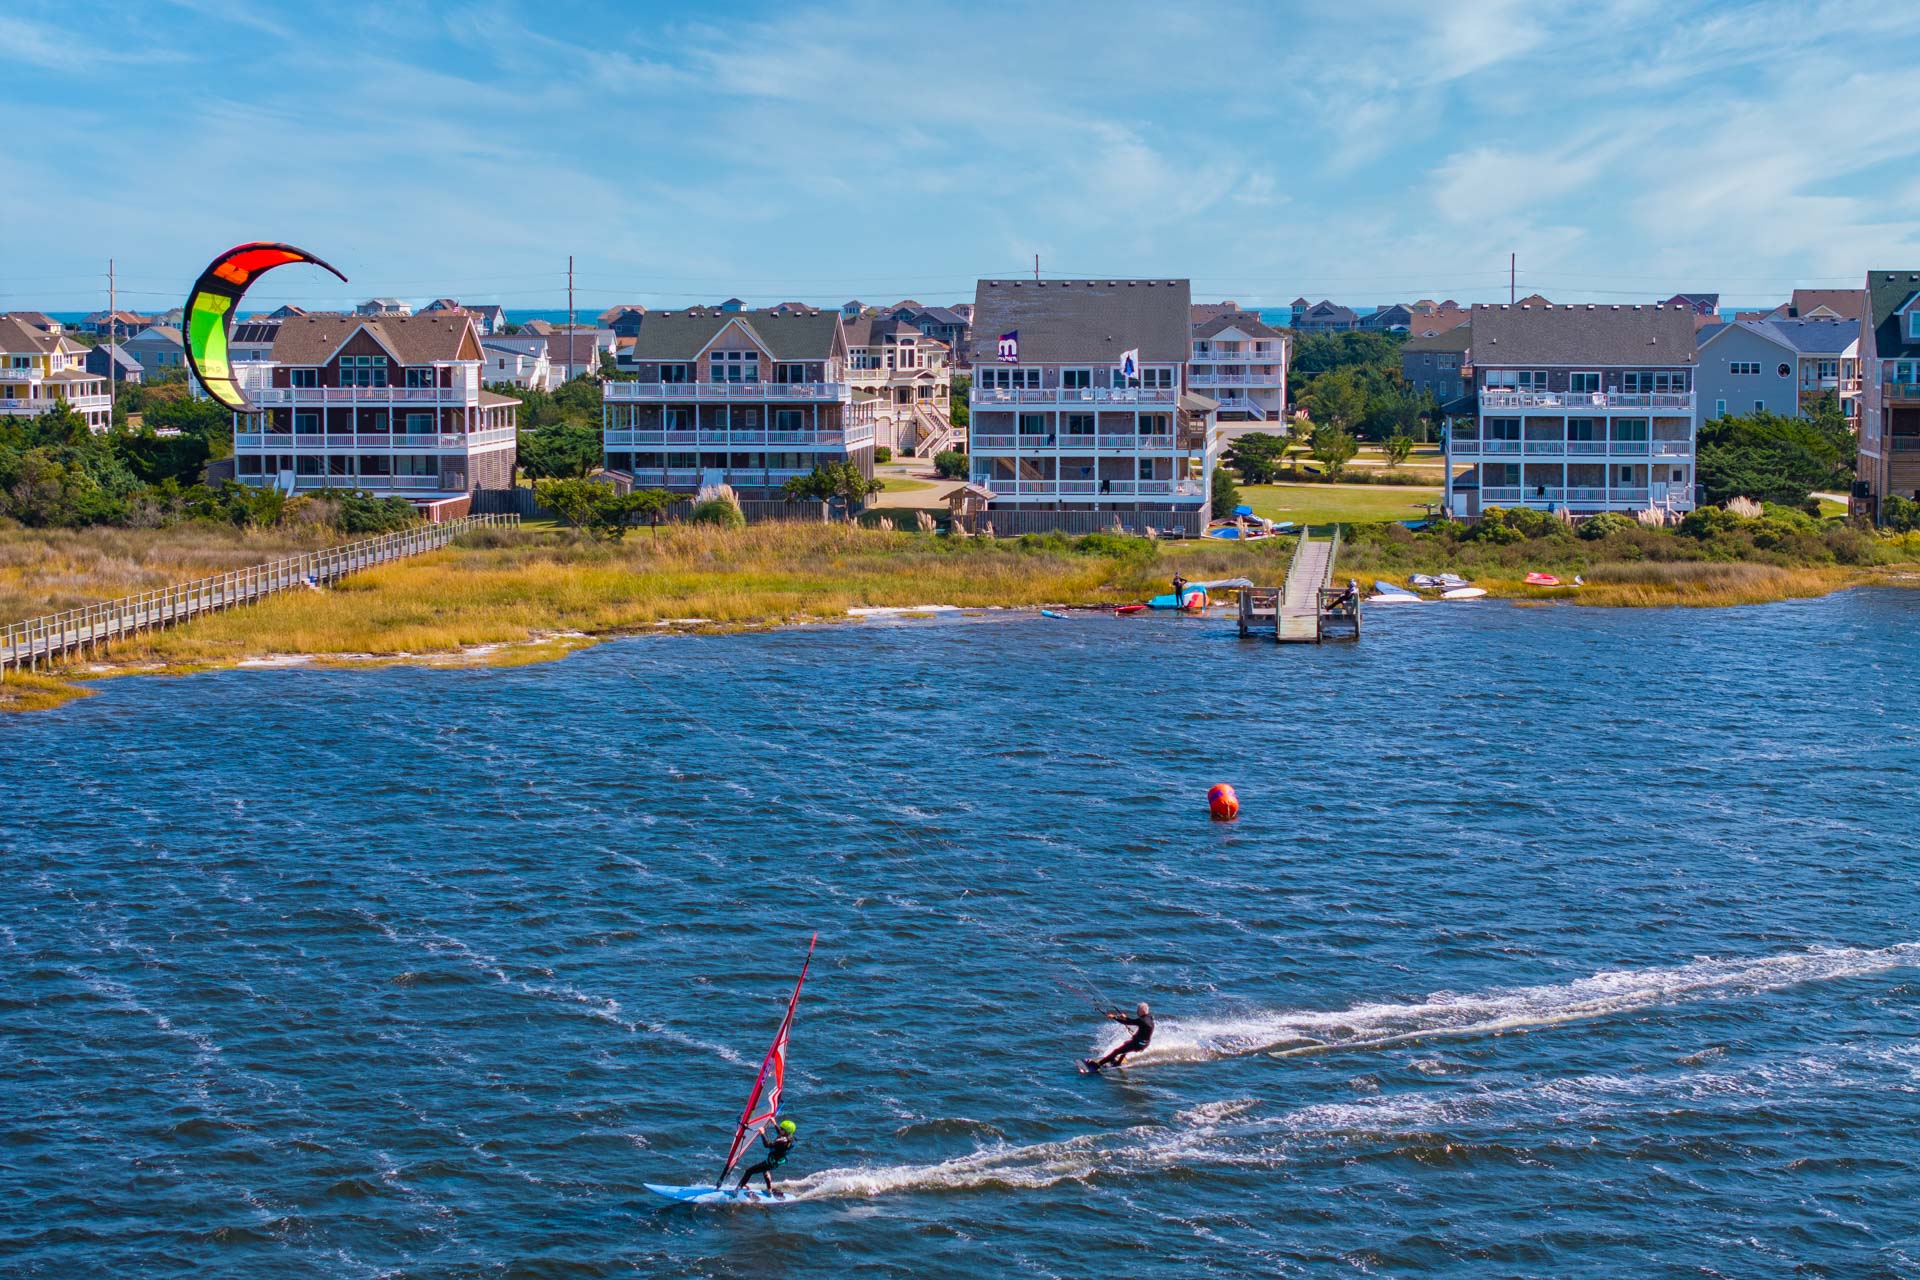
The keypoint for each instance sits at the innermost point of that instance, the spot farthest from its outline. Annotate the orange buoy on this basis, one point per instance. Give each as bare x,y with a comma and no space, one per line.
1222,802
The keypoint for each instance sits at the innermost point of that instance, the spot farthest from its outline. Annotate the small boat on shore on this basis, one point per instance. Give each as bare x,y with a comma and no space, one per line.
1463,593
1385,592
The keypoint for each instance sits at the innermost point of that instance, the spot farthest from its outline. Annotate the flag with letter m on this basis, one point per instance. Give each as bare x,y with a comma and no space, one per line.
1010,347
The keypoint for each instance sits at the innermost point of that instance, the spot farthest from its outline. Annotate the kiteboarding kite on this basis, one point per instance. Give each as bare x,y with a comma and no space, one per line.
763,1108
211,306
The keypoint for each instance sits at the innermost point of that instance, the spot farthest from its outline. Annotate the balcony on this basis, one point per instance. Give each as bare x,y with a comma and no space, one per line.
1504,398
315,442
991,397
1900,390
1048,445
1217,356
320,397
23,407
1904,444
1080,489
1470,448
1534,495
618,438
750,392
689,477
1201,378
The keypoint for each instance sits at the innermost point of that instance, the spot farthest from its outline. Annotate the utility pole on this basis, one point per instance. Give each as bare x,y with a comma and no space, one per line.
1036,268
569,315
1512,276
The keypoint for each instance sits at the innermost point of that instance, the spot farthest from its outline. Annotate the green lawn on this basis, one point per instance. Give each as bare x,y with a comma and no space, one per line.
1328,504
894,484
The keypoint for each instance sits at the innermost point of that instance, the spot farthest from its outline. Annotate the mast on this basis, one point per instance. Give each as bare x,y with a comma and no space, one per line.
775,1062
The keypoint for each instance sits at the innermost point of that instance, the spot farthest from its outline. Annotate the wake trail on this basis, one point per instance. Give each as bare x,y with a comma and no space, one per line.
1298,1033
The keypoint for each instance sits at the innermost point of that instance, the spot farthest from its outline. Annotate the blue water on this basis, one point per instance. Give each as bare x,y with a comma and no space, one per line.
424,972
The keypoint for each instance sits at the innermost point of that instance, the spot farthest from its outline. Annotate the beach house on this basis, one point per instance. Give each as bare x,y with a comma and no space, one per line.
748,398
1778,365
40,370
1080,400
392,404
1889,460
908,377
1582,408
1240,360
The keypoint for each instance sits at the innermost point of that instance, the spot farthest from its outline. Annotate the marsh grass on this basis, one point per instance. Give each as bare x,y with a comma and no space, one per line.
47,570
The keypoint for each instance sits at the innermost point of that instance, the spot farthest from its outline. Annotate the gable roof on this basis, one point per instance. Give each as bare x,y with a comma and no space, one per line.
1247,322
573,346
1327,307
786,335
413,340
1889,292
614,313
160,333
1704,303
17,336
1453,339
35,319
1848,304
1091,320
1201,312
1593,334
1430,323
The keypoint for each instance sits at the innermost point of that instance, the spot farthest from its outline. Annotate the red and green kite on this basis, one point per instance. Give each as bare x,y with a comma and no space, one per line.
210,310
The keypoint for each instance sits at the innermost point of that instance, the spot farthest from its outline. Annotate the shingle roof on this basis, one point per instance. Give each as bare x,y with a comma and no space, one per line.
614,313
1437,322
1849,304
680,335
573,346
415,340
1201,312
34,319
491,399
1246,322
1816,337
164,332
1889,292
1455,339
1583,335
1092,320
18,336
934,315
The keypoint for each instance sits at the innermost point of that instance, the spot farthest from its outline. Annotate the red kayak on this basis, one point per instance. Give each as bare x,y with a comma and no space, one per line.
1130,608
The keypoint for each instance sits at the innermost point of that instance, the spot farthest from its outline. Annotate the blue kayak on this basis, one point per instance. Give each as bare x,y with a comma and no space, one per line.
713,1195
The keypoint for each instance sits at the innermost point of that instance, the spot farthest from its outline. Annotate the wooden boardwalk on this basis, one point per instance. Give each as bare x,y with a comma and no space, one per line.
59,637
1307,609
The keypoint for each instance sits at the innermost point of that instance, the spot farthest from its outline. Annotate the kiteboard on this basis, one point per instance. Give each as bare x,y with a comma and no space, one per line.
768,1085
714,1195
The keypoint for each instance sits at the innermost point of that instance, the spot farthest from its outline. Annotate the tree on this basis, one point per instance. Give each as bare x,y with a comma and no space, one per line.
595,509
1399,447
1774,458
1258,456
565,450
1334,449
1226,494
950,464
1336,400
841,482
649,505
959,403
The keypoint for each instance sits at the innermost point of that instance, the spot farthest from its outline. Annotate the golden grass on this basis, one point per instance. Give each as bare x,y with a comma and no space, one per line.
1706,584
47,570
35,691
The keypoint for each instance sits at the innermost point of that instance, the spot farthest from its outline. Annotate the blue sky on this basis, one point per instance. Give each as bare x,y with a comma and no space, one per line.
1367,151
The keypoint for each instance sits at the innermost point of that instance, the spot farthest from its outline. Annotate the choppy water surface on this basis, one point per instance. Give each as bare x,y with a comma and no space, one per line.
1590,940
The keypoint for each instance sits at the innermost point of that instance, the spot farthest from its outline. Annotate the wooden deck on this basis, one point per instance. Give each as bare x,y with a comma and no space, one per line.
1308,608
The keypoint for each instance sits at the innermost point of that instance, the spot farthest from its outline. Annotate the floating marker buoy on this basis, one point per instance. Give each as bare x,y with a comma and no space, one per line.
1222,802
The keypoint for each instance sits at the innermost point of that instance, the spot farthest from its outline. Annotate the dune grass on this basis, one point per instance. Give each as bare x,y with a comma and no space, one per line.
47,570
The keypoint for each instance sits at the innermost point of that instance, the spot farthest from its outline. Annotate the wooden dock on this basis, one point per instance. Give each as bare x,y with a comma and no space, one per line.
59,637
1308,608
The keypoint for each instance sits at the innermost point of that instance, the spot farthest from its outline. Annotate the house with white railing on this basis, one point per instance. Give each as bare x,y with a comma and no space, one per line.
390,404
747,398
1080,400
1889,419
907,376
1581,408
40,371
1240,361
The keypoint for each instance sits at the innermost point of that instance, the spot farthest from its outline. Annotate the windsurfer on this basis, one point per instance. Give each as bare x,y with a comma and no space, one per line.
1142,1024
777,1152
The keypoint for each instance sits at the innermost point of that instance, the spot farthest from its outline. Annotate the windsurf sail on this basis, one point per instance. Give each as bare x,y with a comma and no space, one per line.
763,1104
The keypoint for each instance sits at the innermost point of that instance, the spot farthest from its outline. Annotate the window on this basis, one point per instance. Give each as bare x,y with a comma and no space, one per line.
420,424
422,378
1759,405
1076,379
786,419
416,464
1630,429
1719,408
1034,424
673,373
1003,379
790,373
1077,424
1583,383
363,371
678,419
374,464
1786,370
306,424
1744,368
735,366
1674,382
1146,468
1161,378
1913,324
303,377
750,418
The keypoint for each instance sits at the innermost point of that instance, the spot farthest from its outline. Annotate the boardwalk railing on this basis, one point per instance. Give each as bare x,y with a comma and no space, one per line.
40,642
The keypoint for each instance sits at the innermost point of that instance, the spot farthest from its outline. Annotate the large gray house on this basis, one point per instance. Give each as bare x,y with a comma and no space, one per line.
1781,365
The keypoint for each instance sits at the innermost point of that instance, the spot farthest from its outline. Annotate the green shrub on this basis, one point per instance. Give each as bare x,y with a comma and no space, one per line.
951,464
1705,522
1114,546
1226,494
1901,515
718,512
1606,525
882,454
1516,524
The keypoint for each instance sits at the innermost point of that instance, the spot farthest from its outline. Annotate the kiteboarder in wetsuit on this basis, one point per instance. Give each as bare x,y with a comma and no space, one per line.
1142,1036
777,1152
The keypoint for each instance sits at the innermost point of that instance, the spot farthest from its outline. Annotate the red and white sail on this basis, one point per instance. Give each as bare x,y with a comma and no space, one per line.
763,1104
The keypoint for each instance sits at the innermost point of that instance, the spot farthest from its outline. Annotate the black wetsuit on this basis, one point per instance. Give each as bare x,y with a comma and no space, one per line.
777,1152
1142,1036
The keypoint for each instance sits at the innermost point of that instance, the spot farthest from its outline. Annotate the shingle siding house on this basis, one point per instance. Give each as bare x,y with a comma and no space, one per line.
38,370
942,323
1581,408
1324,317
1056,426
392,405
1890,388
908,378
158,349
747,398
1396,318
1436,363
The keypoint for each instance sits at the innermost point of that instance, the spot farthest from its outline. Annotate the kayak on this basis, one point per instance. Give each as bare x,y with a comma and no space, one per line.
1051,613
1385,592
1130,608
1463,593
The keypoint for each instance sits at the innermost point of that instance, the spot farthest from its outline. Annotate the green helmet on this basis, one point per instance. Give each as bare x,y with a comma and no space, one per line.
787,1127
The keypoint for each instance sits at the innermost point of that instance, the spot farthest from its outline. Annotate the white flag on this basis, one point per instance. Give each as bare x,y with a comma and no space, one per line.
1130,366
